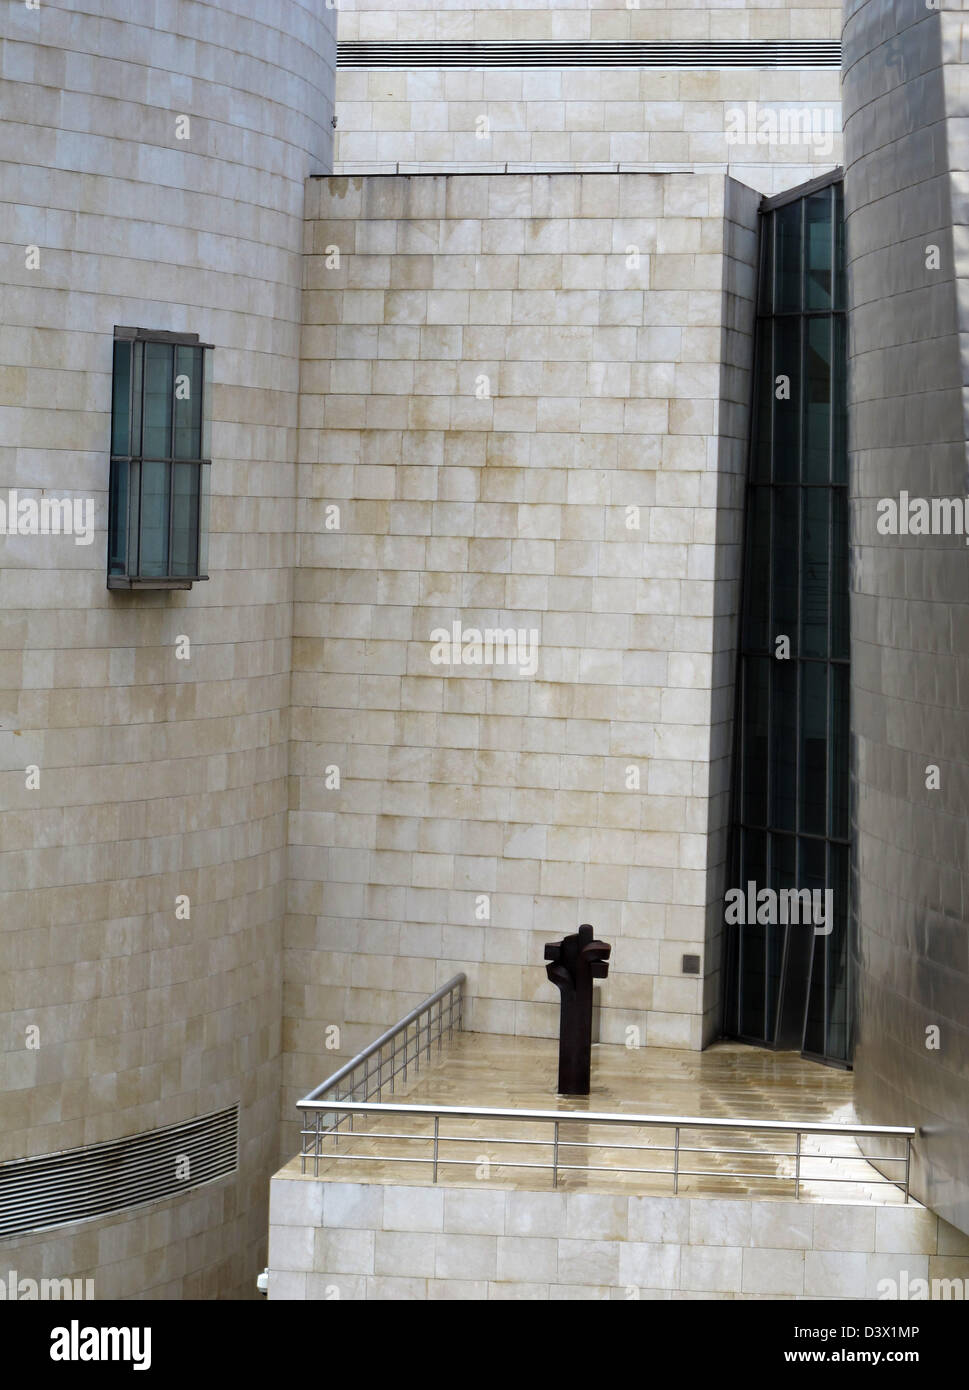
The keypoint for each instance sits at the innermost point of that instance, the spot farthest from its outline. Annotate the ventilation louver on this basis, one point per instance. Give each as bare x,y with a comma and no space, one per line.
78,1184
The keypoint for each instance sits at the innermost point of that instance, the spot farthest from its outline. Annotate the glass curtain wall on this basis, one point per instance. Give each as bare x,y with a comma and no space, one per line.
787,984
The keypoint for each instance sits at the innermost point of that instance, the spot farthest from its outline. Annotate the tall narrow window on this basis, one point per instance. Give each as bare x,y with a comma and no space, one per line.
787,984
159,499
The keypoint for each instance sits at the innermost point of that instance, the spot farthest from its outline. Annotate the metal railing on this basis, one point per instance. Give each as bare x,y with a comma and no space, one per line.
387,1057
547,1134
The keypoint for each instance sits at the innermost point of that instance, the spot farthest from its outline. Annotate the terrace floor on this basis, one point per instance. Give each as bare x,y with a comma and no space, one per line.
727,1081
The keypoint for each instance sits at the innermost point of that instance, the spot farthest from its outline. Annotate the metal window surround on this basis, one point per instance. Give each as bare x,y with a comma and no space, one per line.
60,1189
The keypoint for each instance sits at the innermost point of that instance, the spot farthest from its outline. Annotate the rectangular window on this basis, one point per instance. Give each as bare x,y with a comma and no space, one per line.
160,429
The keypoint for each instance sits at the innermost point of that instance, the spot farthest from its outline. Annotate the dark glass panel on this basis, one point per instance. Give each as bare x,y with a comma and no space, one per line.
765,288
188,402
783,746
185,518
787,251
763,408
839,573
204,521
817,250
755,730
816,465
121,400
118,517
841,301
787,399
838,1038
753,939
813,771
785,582
157,430
154,519
815,535
839,406
757,625
207,405
838,753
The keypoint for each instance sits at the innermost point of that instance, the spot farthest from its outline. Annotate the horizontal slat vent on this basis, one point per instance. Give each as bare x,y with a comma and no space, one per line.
78,1184
766,53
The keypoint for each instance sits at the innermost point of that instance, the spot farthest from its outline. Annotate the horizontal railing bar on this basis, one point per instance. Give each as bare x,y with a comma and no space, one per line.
609,1168
625,1148
314,1096
601,1117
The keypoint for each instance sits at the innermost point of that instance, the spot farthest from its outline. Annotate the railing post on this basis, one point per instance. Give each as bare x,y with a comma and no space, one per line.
908,1164
437,1126
676,1161
555,1155
797,1167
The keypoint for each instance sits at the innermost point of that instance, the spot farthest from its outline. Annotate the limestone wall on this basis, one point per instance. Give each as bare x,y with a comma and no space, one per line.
158,776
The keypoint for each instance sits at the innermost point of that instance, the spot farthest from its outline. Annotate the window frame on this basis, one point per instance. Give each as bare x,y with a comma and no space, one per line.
122,494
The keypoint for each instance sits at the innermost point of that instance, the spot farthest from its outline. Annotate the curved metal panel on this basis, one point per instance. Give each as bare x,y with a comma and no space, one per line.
908,276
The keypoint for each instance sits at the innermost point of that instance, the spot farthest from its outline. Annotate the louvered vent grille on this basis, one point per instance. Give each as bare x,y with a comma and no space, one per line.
59,1189
767,53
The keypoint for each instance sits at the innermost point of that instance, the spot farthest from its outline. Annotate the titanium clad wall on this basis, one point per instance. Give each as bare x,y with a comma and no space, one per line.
906,184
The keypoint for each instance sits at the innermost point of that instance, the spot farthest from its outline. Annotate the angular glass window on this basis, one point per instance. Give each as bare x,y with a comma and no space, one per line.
160,431
790,786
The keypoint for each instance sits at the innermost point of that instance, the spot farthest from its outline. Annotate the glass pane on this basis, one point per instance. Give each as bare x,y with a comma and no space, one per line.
757,627
754,748
763,410
783,745
158,401
817,250
118,515
134,504
154,519
841,301
839,408
753,938
814,571
204,521
787,250
121,400
188,402
783,874
185,518
838,753
817,400
813,772
839,573
786,529
813,875
787,399
838,1040
766,286
207,406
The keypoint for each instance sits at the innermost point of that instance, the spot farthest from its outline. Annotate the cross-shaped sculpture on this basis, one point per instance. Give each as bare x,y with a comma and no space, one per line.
574,962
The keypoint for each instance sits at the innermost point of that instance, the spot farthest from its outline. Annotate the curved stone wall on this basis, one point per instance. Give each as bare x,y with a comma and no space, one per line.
906,206
158,776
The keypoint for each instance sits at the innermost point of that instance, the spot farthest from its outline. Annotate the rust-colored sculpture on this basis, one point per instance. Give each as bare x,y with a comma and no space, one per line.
574,962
